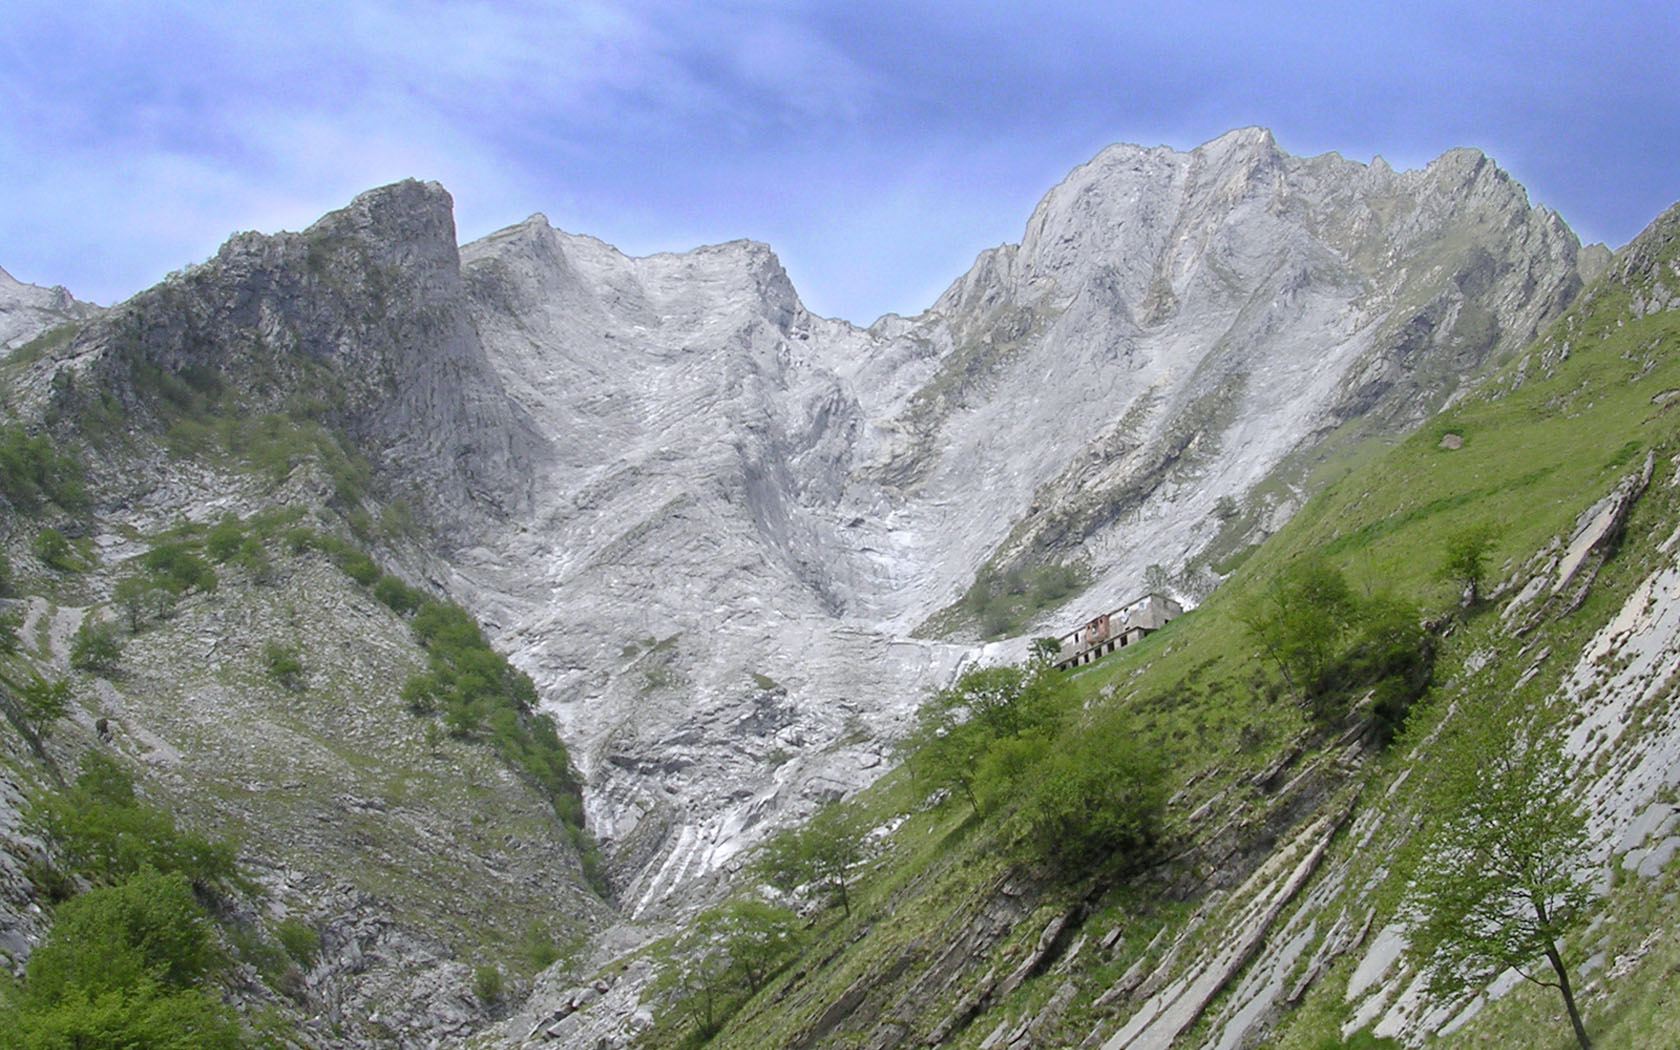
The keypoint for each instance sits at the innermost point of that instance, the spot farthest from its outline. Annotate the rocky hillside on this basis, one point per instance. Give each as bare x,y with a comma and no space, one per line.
744,562
1278,901
731,543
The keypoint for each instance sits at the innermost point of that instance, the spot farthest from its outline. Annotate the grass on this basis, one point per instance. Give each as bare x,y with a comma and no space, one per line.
1547,436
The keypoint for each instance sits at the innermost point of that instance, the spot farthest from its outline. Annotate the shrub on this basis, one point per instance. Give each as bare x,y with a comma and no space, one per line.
149,927
225,539
55,551
142,598
399,596
95,647
10,622
107,834
5,575
487,983
299,939
177,569
1096,799
44,702
284,664
33,472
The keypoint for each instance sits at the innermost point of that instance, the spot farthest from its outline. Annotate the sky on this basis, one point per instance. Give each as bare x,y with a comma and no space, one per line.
876,146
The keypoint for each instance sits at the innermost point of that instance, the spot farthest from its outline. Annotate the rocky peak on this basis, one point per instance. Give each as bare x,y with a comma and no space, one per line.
28,310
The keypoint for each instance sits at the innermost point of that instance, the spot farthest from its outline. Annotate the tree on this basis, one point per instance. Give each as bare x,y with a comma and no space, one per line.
1500,884
5,575
94,647
1464,561
44,702
817,857
961,724
1096,798
9,624
54,550
1299,620
1046,650
1157,580
755,937
142,598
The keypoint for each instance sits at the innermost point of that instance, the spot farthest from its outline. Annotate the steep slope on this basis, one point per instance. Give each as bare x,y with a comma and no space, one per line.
28,311
1272,912
753,512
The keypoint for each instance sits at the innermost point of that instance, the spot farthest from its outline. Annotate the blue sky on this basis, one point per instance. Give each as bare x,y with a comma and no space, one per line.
876,146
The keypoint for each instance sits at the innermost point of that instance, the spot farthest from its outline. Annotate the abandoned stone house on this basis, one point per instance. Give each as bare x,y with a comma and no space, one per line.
1116,629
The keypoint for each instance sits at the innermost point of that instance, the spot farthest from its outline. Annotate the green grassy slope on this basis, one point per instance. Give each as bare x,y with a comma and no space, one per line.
1545,438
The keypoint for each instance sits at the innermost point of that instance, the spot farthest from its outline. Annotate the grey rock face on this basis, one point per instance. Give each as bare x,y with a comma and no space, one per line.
709,523
749,508
28,310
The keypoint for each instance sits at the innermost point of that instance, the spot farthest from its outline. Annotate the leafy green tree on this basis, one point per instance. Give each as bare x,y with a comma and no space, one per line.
178,570
1464,560
399,596
33,472
1299,620
224,539
147,928
1501,883
757,938
1096,798
817,858
44,702
55,551
107,834
1045,650
95,647
142,598
5,575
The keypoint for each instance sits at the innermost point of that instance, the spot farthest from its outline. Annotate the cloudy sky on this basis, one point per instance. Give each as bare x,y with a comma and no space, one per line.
877,146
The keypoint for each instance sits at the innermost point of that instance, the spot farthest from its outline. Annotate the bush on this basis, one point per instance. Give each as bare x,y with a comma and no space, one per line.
5,575
1096,799
284,664
225,539
55,551
95,647
117,970
10,623
107,834
142,598
177,569
147,928
397,595
487,983
44,703
299,939
33,472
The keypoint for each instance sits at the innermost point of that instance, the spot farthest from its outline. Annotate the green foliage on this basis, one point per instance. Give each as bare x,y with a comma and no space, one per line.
1500,882
816,858
1096,799
176,568
225,539
300,940
1360,1040
55,551
397,595
1464,559
107,834
487,983
727,955
5,575
119,969
284,664
970,735
95,647
1329,645
44,702
1002,602
33,473
10,622
142,598
148,927
537,949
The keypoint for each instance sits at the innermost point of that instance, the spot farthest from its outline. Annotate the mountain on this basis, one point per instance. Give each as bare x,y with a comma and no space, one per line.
744,565
28,311
732,544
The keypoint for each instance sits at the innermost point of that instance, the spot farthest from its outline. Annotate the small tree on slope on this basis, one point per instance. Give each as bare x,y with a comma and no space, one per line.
1500,883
